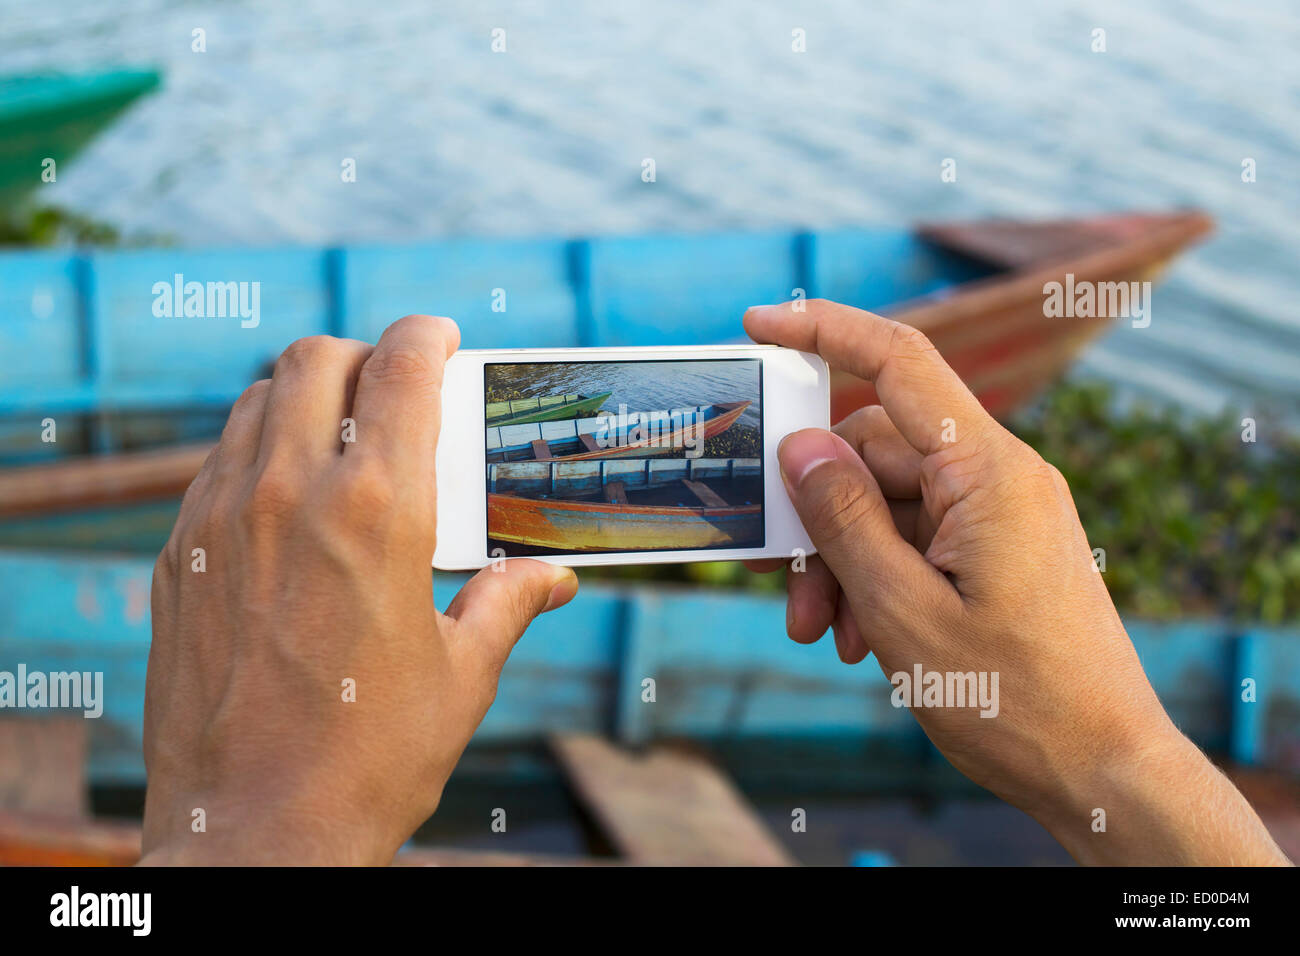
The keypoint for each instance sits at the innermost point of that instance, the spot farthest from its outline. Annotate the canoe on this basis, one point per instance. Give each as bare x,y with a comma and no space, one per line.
54,116
521,411
627,505
994,331
727,677
121,383
639,434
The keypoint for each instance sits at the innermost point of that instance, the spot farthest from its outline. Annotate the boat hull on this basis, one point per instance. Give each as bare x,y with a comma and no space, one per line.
554,413
651,446
596,526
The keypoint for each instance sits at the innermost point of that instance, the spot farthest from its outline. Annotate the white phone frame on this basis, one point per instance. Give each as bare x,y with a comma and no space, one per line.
795,395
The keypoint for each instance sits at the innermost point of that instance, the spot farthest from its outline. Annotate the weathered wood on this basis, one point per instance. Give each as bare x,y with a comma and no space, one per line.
45,839
452,857
43,764
1012,244
541,450
616,493
993,331
111,479
667,807
31,839
709,497
588,443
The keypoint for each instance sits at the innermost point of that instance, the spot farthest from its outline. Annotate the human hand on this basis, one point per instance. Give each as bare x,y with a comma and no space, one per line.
317,580
945,542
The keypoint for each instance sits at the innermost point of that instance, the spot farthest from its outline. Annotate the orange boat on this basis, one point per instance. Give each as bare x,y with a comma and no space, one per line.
627,505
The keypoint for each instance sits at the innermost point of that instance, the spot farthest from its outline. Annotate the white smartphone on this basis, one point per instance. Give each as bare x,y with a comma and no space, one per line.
622,455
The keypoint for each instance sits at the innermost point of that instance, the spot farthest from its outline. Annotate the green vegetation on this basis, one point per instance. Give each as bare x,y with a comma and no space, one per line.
1193,519
52,226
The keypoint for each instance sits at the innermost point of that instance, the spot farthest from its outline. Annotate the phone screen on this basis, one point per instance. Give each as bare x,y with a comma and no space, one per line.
623,456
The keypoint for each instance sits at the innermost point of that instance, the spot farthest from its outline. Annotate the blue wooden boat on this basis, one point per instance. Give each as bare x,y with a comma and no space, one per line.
726,675
634,435
83,344
83,347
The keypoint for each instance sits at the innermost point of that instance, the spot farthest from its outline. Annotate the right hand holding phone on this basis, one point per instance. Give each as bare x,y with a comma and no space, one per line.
945,541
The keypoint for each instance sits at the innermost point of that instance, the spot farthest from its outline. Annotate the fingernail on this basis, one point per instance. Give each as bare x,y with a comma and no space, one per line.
803,451
563,591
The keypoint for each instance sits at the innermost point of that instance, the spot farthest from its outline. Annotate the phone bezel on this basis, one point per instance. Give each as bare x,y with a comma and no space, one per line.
796,394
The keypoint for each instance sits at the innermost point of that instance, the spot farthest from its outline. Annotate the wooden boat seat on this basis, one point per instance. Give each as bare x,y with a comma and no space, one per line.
588,443
707,495
541,450
616,493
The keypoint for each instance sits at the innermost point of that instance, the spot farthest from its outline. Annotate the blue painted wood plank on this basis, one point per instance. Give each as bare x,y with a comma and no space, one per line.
1248,694
723,668
1276,667
210,352
874,268
457,278
674,290
1189,664
40,321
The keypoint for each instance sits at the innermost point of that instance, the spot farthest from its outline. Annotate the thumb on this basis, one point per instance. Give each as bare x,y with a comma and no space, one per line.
846,516
496,605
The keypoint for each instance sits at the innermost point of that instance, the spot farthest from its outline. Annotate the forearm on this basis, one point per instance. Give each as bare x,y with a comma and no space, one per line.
1163,805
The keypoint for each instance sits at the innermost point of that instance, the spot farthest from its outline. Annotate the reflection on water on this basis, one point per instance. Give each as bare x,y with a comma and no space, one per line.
641,386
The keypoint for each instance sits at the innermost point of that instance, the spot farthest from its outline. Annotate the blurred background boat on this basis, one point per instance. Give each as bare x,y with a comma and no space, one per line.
52,116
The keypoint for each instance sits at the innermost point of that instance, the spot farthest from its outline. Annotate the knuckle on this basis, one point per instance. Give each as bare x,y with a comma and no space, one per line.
252,394
844,507
369,490
307,353
164,568
271,499
907,341
402,364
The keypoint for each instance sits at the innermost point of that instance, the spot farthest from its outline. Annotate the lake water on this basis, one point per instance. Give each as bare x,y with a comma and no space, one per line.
243,145
640,386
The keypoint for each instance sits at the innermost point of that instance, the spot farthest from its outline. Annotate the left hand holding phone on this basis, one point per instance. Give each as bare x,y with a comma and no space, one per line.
306,701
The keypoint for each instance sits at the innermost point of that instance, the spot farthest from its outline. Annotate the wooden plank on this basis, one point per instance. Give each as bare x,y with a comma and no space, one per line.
44,839
111,479
707,495
446,856
43,764
588,443
30,839
616,493
541,450
668,807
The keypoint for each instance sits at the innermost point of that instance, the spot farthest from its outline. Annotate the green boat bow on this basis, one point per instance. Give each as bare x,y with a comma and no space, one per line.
53,116
525,411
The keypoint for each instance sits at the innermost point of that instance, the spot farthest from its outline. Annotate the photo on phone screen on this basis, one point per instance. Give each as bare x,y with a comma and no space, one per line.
629,456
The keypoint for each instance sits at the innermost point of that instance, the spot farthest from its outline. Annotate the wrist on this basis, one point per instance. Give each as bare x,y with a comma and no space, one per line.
262,833
1158,801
